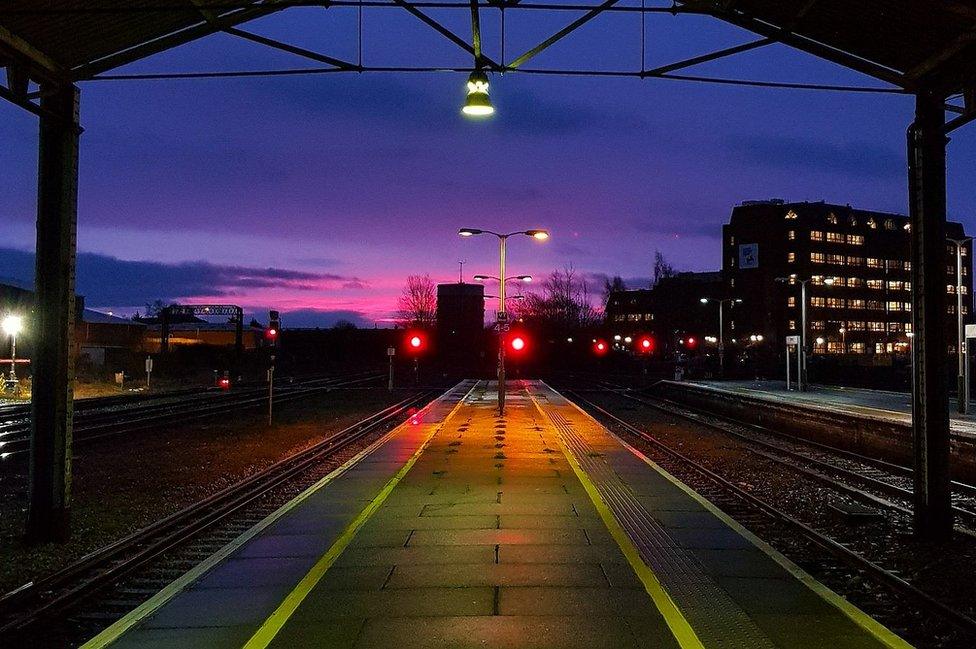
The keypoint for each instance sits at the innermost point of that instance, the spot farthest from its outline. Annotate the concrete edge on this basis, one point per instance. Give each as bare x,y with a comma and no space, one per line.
118,628
880,632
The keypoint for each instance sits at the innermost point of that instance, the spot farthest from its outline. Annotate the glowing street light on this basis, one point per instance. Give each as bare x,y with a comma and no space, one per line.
801,380
12,325
478,103
502,317
721,326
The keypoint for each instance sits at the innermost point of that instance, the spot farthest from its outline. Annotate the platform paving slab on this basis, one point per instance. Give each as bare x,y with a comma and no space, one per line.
537,530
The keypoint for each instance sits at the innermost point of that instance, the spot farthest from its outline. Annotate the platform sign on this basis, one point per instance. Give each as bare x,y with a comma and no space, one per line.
971,331
749,255
391,351
792,340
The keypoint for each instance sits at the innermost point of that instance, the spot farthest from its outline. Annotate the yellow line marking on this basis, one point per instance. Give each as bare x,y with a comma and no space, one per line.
271,626
880,632
154,603
675,619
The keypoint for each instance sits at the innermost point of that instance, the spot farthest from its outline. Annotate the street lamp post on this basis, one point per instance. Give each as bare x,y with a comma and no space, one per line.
721,328
12,324
801,379
502,317
963,391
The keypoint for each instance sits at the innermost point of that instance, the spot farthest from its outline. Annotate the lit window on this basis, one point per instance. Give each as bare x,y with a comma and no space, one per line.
908,265
855,261
876,326
792,325
858,348
896,326
818,325
817,257
790,216
832,218
894,306
790,257
836,259
851,221
835,237
791,235
835,302
819,348
816,235
875,284
855,325
835,347
731,241
895,285
856,304
951,308
889,224
964,290
908,286
791,301
875,304
855,239
908,327
817,280
951,269
951,289
855,282
818,301
872,223
879,348
874,263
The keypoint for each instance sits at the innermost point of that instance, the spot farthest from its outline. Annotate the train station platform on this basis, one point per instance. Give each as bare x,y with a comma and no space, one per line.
463,529
860,402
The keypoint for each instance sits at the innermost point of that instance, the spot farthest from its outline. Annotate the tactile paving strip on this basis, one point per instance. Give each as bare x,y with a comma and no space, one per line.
717,619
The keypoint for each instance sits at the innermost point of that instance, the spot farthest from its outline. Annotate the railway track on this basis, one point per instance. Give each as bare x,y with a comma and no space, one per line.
837,553
875,482
165,549
97,423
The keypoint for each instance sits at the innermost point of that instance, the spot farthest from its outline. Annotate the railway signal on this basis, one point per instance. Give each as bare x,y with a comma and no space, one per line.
600,347
416,344
518,343
274,327
645,345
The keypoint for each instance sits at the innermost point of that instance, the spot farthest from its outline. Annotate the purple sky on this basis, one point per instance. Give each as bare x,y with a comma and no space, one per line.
318,194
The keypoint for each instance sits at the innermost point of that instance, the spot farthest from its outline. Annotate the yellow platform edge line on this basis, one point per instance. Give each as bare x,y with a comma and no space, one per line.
277,620
118,628
880,632
680,628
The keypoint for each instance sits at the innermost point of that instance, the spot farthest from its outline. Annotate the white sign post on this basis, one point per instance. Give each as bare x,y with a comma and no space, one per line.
792,341
148,370
391,352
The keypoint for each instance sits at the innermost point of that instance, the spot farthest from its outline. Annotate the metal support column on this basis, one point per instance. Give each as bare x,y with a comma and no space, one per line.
52,386
930,401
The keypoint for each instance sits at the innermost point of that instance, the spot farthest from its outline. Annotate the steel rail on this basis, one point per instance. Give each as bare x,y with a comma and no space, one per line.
95,426
86,576
852,558
771,449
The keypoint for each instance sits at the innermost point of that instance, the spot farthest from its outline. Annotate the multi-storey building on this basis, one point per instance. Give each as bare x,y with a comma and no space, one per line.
672,310
857,270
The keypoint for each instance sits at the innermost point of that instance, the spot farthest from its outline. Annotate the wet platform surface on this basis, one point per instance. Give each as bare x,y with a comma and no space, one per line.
464,529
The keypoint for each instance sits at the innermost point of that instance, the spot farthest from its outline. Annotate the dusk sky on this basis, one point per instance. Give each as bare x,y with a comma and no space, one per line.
318,194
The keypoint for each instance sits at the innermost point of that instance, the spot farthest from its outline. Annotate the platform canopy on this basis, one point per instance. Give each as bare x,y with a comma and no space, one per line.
910,44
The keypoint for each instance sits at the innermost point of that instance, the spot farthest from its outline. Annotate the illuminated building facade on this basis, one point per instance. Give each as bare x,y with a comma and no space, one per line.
857,263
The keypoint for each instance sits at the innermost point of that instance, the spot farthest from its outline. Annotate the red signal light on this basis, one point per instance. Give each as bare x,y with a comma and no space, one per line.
518,343
415,342
224,383
600,347
645,345
272,333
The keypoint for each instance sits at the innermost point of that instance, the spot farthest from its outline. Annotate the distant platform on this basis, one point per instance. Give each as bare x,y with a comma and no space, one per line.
462,529
880,404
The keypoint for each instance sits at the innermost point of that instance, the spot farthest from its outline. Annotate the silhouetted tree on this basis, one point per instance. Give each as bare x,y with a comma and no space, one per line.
562,306
612,285
344,324
417,305
662,269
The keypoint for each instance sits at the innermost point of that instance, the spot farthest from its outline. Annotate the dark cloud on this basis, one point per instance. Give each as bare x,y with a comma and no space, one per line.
852,158
105,280
323,318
